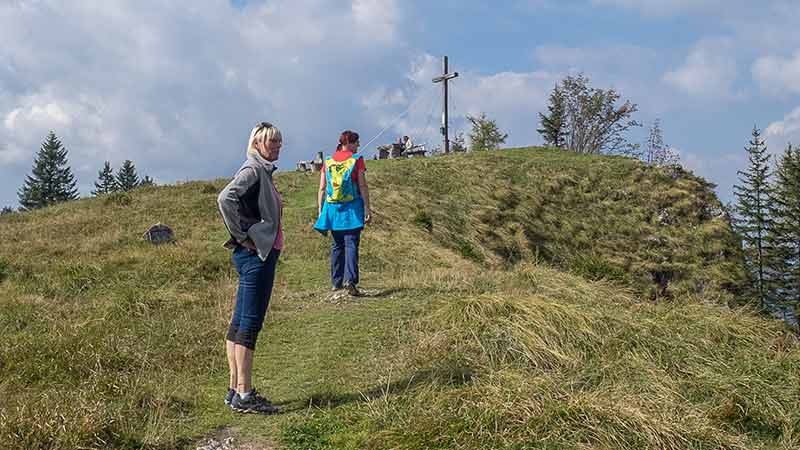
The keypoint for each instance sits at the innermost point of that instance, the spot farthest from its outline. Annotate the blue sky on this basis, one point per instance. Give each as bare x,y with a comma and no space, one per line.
176,87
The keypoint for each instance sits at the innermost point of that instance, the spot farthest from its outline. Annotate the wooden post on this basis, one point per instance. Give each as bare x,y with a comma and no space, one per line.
443,79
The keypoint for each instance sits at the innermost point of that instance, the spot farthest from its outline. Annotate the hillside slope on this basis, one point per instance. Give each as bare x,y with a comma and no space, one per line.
510,307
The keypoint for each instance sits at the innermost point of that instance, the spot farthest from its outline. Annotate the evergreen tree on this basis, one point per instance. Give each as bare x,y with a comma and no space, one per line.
485,135
458,145
106,183
656,152
752,210
51,180
127,178
554,129
147,181
784,230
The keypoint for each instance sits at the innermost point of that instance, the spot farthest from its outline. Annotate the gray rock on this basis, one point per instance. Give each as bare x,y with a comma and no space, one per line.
159,234
213,444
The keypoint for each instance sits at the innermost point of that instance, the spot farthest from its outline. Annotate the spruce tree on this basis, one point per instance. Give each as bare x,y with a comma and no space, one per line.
554,129
147,181
51,180
784,230
127,178
485,134
752,210
656,152
106,183
459,144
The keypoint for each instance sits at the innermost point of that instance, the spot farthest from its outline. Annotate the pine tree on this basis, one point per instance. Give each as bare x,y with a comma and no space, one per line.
127,178
458,145
147,181
554,127
51,180
106,183
784,230
485,135
752,210
656,152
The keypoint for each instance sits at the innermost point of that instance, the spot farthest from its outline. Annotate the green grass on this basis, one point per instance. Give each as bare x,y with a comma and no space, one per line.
512,308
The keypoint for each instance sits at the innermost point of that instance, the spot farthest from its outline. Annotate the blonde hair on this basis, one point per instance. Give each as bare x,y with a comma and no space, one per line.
262,132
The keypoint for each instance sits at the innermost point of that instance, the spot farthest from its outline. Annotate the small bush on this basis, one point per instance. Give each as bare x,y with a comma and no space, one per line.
594,267
209,188
118,199
467,250
5,270
424,220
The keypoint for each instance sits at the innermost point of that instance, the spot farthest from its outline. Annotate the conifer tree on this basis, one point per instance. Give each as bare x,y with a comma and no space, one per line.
485,134
458,145
554,126
147,181
784,230
127,178
106,183
752,210
51,180
656,152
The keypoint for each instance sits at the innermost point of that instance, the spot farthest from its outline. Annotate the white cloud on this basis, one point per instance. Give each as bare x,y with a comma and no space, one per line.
777,75
176,87
709,71
781,132
380,17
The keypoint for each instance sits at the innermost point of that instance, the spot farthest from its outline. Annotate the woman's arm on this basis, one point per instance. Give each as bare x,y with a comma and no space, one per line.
364,190
321,194
228,202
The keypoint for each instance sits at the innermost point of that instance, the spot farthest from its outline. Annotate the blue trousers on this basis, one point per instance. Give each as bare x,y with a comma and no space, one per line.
344,257
256,278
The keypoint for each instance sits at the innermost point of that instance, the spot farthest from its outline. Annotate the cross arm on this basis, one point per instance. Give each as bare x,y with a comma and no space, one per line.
448,76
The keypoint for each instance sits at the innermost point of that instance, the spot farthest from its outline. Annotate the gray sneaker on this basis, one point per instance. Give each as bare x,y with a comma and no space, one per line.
254,404
229,396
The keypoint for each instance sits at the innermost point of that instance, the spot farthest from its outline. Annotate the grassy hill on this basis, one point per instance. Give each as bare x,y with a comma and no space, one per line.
517,299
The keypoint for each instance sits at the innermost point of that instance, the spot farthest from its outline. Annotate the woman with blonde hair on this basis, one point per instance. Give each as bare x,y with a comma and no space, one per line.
251,209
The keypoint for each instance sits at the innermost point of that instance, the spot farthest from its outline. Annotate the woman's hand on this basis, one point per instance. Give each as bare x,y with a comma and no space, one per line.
248,244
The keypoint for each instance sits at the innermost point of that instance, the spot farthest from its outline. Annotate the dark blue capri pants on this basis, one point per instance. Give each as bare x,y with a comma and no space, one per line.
256,278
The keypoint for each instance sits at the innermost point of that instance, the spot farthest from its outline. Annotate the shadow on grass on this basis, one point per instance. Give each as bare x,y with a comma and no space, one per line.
331,399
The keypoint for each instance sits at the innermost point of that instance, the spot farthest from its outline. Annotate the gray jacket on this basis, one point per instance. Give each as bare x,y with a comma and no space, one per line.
249,206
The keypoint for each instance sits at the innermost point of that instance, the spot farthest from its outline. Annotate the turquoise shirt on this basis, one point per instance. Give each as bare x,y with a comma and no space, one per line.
344,215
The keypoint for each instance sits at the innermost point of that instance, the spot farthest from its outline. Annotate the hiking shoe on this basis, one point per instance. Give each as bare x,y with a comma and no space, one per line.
352,290
254,404
229,396
336,288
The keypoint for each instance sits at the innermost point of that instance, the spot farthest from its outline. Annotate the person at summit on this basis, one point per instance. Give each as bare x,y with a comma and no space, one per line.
343,208
251,208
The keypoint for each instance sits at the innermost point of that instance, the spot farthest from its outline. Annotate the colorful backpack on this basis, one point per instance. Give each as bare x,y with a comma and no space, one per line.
339,178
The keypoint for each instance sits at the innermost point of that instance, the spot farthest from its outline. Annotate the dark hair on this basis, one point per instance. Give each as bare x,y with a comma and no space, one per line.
347,137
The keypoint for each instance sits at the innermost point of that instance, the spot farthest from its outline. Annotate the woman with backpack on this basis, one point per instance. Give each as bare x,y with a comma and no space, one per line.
343,208
251,209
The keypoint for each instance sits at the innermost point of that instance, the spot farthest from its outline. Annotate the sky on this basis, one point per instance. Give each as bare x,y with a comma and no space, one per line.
176,86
